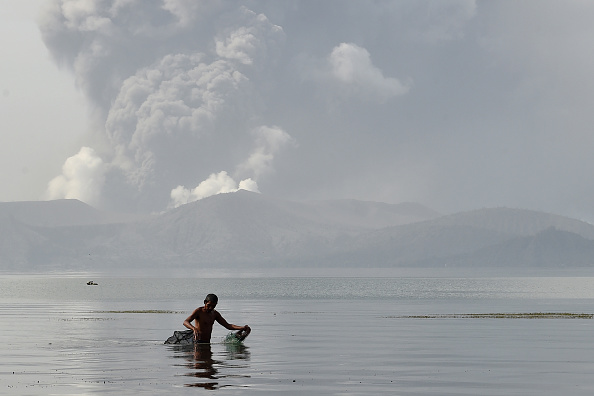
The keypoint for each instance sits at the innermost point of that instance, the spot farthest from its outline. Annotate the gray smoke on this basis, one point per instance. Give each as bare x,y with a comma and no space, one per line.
171,83
191,98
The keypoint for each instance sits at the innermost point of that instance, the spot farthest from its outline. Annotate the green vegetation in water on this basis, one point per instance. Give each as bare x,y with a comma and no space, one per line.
503,315
231,338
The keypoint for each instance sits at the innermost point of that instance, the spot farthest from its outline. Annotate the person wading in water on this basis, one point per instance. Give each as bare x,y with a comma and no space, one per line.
204,318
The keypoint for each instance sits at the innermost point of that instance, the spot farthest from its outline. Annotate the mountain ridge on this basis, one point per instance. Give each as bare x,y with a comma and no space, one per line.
246,229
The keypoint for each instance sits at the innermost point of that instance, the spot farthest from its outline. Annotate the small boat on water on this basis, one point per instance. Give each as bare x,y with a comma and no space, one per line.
91,283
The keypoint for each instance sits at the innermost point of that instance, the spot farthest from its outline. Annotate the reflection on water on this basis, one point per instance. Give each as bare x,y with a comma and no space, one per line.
209,370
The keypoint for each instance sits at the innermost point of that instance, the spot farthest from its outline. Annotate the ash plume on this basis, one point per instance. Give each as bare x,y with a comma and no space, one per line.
171,86
192,98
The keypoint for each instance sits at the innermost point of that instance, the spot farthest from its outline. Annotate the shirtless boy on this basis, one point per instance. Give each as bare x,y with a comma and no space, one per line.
204,317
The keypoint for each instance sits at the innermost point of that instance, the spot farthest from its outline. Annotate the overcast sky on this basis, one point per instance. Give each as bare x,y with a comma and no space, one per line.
146,105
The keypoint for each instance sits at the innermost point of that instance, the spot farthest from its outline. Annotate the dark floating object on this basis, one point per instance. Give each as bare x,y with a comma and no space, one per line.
91,283
181,337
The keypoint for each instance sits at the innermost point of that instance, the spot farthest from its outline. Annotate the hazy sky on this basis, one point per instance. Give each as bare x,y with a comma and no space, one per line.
148,104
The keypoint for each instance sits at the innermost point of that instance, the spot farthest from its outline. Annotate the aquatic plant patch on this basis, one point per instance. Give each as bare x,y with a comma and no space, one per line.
500,315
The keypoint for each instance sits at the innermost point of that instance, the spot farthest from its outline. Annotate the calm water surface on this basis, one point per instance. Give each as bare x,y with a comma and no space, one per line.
322,336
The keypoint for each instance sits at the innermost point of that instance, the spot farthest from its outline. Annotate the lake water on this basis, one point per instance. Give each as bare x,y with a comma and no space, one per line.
398,335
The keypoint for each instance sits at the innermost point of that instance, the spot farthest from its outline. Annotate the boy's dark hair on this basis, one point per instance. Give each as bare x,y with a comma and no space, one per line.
212,298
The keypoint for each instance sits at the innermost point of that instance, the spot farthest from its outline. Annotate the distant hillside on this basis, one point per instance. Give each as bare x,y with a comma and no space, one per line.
23,247
413,245
476,238
246,229
350,212
62,212
549,248
520,222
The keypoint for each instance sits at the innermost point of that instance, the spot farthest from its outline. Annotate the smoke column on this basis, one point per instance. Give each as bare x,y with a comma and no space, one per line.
187,95
171,87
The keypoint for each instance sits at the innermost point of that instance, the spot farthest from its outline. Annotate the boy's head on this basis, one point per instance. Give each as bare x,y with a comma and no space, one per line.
210,302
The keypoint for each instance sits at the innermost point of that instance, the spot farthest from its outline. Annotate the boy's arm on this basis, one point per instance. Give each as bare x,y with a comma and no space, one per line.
188,323
227,325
